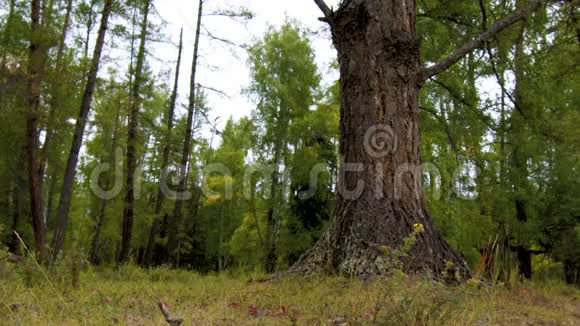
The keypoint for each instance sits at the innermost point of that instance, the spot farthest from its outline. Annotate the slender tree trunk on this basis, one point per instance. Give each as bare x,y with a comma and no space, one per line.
94,251
272,218
56,89
47,11
89,28
50,200
165,156
255,213
57,86
18,199
519,165
170,122
33,104
220,238
153,233
69,174
378,54
132,56
574,17
502,150
6,32
175,221
128,213
572,272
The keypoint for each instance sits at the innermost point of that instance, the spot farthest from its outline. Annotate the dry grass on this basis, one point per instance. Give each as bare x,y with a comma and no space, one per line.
129,296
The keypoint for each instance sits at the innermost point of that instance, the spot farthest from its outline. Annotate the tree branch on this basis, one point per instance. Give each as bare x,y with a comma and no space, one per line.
441,120
223,40
324,8
499,26
442,17
173,321
482,117
220,92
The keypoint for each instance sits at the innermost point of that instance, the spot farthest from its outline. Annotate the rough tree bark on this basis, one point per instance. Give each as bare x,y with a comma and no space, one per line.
380,77
129,211
175,220
165,158
69,174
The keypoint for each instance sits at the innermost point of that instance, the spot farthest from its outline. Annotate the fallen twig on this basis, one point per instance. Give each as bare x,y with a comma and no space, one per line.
170,319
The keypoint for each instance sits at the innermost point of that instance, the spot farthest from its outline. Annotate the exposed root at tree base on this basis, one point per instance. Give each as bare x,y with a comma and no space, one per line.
368,261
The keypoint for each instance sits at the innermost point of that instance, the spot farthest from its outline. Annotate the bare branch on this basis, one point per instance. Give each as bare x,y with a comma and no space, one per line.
170,320
467,48
215,90
241,12
223,40
324,8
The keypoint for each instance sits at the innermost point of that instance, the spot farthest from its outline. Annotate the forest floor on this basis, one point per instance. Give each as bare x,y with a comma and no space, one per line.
130,296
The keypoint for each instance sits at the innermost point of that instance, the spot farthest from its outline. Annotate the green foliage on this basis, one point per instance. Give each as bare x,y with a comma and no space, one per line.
498,129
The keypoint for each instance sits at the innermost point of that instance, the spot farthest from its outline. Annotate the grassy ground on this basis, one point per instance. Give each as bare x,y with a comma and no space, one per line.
129,296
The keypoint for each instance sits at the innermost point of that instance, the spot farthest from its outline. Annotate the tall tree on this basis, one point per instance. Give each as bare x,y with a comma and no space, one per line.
69,174
35,63
175,221
94,254
519,158
165,155
380,77
284,81
59,67
128,212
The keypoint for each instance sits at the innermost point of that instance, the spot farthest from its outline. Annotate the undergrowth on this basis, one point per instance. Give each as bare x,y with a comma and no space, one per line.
129,296
71,292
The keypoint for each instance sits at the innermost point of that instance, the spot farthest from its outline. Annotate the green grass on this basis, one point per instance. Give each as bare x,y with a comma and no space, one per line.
129,296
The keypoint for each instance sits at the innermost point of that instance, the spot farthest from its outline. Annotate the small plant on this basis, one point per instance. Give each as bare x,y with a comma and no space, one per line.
394,256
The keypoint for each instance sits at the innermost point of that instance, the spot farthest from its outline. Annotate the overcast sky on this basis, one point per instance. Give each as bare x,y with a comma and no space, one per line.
224,67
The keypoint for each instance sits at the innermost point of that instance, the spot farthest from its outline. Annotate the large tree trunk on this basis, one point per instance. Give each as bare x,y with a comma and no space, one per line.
128,212
175,220
378,55
69,174
35,63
